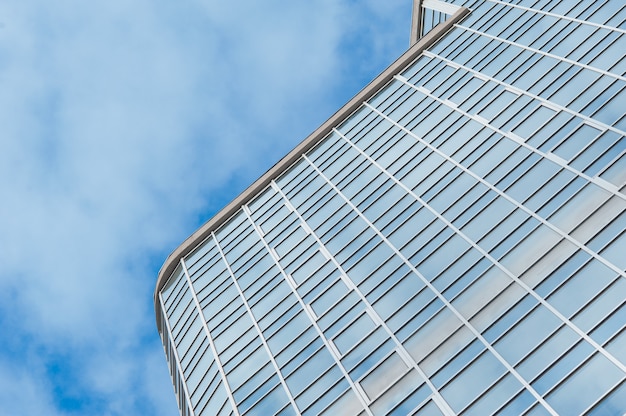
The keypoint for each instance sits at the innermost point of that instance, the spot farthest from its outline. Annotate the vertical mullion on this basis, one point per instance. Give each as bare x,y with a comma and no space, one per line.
544,53
256,325
516,279
519,91
441,403
229,393
558,16
308,312
439,295
501,193
181,375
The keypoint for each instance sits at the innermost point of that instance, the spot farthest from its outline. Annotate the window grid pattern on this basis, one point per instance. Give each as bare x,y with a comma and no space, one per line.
415,342
381,330
200,387
431,18
455,246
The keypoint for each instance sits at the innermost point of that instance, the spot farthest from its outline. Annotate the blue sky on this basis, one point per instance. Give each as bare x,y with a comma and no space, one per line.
124,125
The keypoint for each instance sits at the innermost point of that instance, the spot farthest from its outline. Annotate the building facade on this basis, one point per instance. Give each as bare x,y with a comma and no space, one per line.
452,241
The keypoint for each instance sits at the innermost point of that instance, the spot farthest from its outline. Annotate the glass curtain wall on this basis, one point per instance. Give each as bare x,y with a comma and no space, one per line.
455,246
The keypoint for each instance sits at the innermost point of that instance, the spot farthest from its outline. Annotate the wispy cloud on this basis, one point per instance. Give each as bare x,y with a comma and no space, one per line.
123,126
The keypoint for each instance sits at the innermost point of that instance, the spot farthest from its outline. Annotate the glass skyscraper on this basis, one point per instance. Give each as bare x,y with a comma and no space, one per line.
452,241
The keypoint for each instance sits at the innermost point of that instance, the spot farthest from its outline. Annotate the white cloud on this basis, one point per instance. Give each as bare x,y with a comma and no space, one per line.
122,124
24,393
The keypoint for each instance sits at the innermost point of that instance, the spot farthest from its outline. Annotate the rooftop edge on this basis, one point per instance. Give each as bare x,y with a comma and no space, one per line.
320,133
